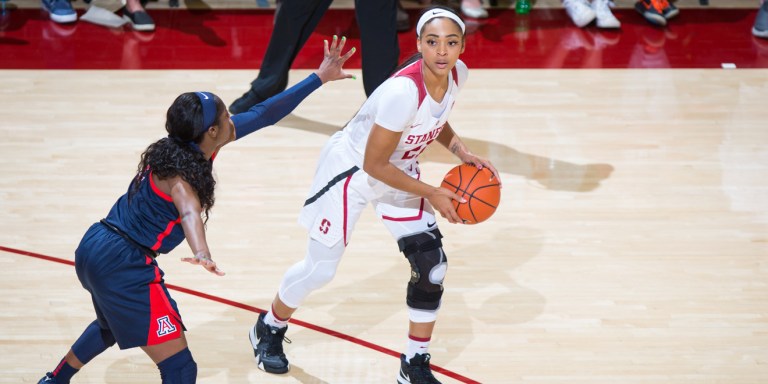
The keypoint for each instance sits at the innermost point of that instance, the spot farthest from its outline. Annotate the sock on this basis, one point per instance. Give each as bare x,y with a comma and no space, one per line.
271,319
63,372
92,342
416,345
179,368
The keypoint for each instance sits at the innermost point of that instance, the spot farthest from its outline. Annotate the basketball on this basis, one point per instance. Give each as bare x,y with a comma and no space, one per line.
479,187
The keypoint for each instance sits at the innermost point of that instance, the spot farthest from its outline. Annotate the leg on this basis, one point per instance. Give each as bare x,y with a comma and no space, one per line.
294,23
411,220
92,342
425,289
174,361
316,270
377,21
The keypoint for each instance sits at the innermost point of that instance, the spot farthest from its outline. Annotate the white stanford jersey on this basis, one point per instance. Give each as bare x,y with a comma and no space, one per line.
402,104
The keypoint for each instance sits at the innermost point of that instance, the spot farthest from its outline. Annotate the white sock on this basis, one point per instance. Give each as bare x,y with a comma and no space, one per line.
416,345
270,319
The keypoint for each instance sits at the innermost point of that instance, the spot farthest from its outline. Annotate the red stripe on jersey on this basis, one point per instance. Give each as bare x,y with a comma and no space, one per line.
164,322
413,72
346,187
157,190
165,233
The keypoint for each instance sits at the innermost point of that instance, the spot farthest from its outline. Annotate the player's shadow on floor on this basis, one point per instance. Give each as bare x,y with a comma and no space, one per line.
553,174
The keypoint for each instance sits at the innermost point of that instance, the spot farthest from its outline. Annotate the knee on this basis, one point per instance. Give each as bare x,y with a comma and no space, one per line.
179,368
428,268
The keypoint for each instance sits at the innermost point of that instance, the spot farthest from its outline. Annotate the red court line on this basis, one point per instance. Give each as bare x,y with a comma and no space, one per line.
250,308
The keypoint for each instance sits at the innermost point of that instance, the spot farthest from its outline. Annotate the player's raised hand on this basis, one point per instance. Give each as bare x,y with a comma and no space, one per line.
333,61
205,260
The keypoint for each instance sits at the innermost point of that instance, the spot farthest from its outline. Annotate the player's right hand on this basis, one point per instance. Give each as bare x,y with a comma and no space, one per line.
442,201
206,262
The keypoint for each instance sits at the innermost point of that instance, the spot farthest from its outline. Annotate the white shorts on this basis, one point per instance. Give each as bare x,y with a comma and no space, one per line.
341,190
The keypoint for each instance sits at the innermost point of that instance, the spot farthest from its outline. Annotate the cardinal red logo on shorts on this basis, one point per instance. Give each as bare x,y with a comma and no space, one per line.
325,225
164,326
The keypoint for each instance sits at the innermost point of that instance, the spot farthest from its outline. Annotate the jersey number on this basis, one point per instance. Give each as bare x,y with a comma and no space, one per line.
416,151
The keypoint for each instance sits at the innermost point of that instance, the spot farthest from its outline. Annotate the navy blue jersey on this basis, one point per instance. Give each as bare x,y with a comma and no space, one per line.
149,217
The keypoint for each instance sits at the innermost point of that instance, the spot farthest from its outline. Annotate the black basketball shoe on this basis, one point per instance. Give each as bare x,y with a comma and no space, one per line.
267,342
416,371
47,379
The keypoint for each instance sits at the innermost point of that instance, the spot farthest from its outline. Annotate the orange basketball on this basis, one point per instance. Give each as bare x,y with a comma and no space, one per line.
479,187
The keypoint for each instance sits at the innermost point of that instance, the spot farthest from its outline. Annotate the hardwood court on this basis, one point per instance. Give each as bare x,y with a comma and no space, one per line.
629,247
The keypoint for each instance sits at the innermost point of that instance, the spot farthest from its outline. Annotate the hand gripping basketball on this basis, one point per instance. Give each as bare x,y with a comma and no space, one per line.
479,187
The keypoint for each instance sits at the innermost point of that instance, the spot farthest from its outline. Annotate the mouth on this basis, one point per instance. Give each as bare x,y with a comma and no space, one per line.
441,64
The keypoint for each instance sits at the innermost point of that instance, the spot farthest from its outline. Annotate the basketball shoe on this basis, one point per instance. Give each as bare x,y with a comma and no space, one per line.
61,11
760,28
267,342
653,11
579,11
416,371
604,16
47,379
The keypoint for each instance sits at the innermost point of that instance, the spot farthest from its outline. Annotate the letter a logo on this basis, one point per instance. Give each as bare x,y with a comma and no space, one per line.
164,326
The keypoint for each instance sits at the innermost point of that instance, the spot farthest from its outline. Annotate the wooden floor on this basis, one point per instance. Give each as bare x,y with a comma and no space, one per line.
631,244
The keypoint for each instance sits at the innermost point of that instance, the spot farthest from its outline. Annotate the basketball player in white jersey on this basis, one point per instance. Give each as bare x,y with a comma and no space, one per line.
374,159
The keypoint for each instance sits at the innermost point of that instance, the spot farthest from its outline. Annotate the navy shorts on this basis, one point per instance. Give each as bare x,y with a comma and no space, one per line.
127,289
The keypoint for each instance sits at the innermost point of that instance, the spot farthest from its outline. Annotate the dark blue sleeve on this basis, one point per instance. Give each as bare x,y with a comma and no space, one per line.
270,111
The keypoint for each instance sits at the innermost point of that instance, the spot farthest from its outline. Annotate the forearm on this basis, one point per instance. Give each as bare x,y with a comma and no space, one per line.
194,231
396,178
275,108
450,140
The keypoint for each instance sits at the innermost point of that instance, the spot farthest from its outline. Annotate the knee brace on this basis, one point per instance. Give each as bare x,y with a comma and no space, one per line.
179,368
428,266
92,342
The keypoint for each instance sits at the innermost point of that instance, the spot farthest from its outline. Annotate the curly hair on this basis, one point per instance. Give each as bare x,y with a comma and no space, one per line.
178,154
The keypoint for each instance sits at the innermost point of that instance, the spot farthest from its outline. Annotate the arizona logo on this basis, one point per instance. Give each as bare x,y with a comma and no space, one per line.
164,326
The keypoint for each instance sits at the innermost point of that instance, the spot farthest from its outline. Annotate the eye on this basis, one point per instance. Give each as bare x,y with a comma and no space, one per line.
431,42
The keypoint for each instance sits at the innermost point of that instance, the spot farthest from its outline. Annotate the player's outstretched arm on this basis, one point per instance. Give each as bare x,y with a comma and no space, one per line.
272,110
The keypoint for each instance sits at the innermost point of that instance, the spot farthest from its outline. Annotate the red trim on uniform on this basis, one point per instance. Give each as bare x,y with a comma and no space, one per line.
409,218
165,233
413,72
421,206
346,185
157,190
161,311
213,156
58,367
274,314
419,339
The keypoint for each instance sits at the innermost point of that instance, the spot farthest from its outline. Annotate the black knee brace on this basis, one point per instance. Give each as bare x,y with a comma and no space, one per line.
428,265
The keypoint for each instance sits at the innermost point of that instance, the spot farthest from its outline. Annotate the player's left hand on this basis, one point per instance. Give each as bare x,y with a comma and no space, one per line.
480,163
206,262
333,61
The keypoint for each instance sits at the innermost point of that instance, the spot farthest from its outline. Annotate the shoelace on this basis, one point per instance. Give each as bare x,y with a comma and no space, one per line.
275,344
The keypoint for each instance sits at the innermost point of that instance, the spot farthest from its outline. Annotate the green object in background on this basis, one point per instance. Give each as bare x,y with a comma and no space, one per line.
523,7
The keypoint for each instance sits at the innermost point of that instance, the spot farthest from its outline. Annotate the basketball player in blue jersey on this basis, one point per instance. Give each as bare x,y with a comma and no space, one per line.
374,159
168,201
